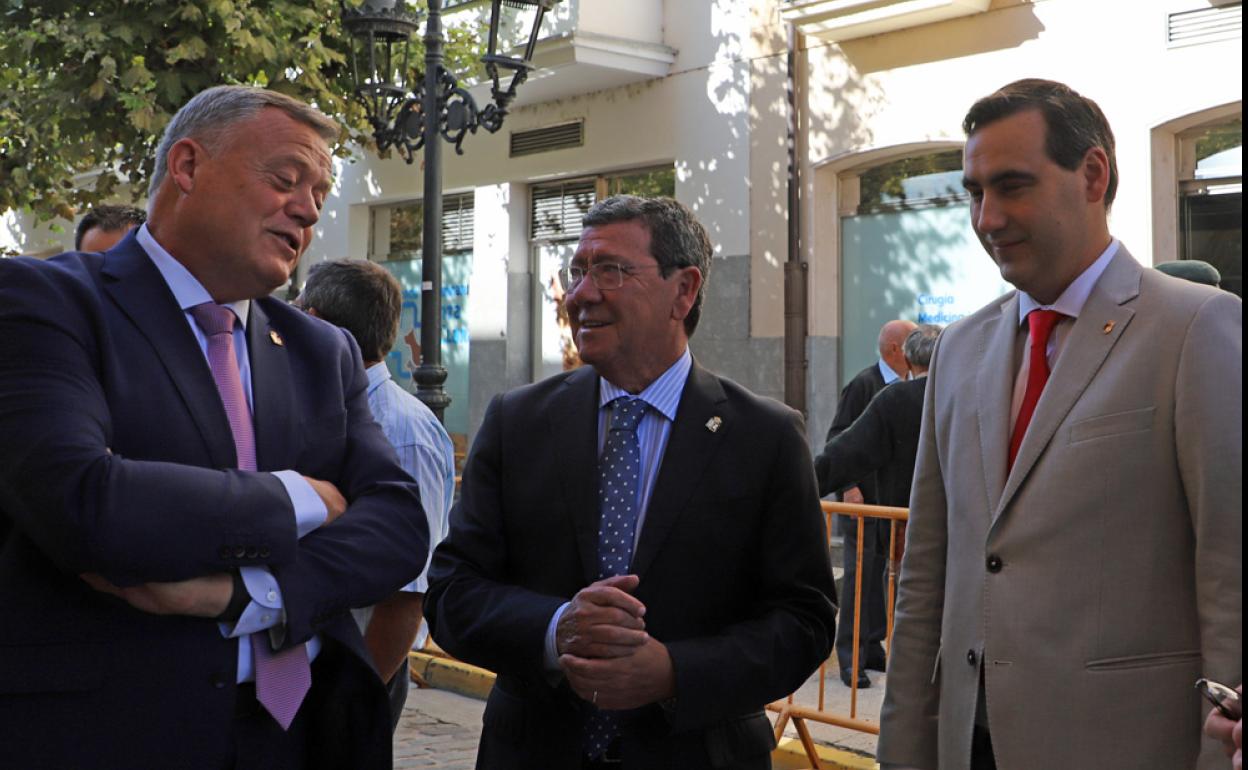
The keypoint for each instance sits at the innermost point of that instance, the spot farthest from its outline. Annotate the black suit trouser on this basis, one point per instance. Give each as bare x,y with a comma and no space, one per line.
874,625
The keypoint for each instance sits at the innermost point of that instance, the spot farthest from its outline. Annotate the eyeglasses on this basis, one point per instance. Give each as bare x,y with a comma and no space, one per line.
607,276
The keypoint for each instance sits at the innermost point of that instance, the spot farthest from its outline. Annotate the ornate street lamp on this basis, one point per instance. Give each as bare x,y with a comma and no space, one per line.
409,116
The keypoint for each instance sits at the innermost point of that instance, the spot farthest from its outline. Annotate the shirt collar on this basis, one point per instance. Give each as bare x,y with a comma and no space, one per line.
187,290
887,372
662,395
377,374
1071,302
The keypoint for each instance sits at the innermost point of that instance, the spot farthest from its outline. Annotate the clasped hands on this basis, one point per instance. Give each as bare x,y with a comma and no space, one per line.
605,652
206,596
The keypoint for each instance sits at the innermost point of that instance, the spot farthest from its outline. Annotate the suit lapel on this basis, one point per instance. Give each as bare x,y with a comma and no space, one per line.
573,415
136,286
994,390
690,448
271,401
1100,324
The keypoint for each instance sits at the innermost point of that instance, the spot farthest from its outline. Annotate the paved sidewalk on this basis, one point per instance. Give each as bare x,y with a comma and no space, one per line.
438,729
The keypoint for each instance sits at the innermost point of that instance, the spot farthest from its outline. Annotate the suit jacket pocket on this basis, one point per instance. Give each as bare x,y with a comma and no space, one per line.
1148,660
26,669
731,741
1134,421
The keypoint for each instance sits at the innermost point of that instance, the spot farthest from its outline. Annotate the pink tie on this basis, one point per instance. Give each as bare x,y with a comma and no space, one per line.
1040,323
282,678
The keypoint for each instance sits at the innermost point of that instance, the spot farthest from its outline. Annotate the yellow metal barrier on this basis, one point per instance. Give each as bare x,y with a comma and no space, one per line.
788,710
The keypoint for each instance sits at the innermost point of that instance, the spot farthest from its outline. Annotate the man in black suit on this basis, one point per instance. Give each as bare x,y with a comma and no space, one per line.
884,440
197,491
638,551
853,402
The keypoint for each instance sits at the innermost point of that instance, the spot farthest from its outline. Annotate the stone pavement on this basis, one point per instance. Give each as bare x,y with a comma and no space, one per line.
438,729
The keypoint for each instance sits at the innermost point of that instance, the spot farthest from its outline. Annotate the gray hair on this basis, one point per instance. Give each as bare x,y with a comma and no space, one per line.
677,239
211,114
920,343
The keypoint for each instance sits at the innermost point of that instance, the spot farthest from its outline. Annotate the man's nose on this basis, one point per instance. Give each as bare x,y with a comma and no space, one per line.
585,291
987,215
302,207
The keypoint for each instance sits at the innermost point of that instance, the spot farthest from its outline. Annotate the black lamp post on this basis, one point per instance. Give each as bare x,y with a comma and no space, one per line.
410,116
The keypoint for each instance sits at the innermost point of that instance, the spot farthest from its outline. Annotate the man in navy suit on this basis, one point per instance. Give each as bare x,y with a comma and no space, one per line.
638,551
194,508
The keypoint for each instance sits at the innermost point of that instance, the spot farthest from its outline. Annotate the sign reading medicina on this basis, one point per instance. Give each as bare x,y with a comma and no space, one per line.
405,356
922,265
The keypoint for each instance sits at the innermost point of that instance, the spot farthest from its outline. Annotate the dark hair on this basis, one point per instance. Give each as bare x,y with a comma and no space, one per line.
109,219
361,297
677,239
920,343
1074,124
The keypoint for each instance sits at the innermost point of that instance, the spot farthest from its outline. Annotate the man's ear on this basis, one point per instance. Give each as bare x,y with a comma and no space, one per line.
688,282
184,160
1095,174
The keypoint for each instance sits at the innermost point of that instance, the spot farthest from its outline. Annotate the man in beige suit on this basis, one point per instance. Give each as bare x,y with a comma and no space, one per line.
1073,557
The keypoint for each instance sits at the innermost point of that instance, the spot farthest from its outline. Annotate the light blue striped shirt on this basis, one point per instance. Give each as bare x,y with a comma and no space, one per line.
663,396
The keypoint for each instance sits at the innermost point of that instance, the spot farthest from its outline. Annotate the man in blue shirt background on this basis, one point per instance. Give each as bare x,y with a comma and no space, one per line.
366,300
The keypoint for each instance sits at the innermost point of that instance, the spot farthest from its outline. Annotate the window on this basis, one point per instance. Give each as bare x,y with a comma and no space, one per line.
396,240
907,251
1211,221
405,225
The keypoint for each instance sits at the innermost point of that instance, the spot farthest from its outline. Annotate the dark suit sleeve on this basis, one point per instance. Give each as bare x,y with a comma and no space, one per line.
380,542
860,451
86,508
853,401
791,623
474,611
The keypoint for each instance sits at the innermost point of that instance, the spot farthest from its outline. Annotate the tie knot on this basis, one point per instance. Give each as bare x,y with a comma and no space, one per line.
1041,323
628,412
213,318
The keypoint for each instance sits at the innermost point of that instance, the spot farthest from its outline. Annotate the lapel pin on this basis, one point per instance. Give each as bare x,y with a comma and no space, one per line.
276,338
1109,327
713,424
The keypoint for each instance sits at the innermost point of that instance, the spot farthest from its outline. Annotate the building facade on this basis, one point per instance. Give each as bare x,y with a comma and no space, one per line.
693,98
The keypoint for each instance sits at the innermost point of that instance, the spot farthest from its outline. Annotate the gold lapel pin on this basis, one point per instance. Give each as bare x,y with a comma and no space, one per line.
713,424
276,338
1109,327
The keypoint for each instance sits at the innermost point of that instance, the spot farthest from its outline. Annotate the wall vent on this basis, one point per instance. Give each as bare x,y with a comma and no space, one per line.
1205,25
560,137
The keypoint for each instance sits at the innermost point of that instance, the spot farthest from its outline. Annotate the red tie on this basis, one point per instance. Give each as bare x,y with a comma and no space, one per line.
1041,323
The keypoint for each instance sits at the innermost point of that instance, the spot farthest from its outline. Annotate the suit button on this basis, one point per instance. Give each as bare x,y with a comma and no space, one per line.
265,552
219,680
253,552
971,657
224,552
994,563
239,552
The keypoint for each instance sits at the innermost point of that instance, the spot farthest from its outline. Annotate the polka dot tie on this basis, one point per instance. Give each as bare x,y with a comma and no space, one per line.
618,483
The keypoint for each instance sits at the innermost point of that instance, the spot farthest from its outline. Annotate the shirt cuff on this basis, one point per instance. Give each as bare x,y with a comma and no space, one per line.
265,609
552,651
310,510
